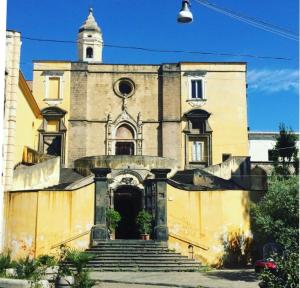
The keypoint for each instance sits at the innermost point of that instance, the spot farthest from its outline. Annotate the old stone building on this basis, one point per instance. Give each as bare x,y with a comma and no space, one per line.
171,139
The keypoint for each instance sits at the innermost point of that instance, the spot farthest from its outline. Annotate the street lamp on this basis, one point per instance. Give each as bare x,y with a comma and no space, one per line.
185,15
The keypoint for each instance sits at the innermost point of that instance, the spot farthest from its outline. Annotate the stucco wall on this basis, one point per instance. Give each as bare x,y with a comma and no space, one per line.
38,176
225,92
37,220
26,127
206,217
161,94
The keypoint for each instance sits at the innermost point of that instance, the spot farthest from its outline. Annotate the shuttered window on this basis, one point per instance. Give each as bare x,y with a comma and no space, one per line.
197,151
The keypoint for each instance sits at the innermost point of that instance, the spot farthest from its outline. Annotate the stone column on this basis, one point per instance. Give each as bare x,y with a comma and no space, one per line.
161,232
99,231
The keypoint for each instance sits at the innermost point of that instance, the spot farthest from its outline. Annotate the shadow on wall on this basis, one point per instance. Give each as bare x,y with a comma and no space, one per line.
237,249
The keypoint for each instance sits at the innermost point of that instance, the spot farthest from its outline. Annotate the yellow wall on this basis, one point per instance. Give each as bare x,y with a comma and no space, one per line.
39,90
225,91
26,127
205,217
37,220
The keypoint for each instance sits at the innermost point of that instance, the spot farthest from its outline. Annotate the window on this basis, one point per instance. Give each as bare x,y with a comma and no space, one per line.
225,157
272,155
197,89
124,148
89,52
124,87
197,155
54,88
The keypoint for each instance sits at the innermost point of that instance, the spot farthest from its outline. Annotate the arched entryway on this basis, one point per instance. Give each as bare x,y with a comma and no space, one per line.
128,202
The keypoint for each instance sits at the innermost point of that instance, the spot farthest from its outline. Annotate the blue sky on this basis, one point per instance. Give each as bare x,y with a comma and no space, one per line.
273,84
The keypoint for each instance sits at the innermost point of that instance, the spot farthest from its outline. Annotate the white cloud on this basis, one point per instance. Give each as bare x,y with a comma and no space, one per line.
272,81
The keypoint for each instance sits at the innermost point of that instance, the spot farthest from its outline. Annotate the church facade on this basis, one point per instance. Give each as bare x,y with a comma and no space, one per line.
171,139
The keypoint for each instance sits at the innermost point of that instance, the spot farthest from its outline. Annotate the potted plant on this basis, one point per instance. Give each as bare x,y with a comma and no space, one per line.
31,270
7,266
79,260
50,266
113,217
144,222
65,277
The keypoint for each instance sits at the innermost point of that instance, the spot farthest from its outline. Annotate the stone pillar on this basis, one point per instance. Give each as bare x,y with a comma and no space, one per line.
99,231
161,232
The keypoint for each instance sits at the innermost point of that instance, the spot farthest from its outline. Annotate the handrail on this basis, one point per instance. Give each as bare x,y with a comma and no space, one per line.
70,239
203,247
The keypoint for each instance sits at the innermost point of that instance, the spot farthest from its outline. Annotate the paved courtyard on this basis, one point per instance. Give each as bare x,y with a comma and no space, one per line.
213,279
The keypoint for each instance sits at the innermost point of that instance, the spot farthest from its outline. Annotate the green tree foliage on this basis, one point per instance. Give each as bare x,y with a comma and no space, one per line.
285,152
276,217
144,222
113,218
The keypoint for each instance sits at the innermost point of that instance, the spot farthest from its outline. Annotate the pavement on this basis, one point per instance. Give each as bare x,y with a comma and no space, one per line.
242,278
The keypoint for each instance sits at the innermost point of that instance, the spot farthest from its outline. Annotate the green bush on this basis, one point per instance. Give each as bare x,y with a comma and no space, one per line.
286,274
276,219
47,261
79,260
28,268
144,222
113,217
6,262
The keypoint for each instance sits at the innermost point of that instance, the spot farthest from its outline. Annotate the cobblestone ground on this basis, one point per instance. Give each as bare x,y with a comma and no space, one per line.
121,285
244,278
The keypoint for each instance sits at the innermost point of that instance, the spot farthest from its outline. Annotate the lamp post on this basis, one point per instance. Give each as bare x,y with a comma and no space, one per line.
185,15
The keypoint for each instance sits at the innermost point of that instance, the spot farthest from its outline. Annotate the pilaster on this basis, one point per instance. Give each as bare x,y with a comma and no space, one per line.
161,232
99,231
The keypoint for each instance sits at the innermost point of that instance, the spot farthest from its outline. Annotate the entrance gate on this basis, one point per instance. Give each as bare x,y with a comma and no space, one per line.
128,202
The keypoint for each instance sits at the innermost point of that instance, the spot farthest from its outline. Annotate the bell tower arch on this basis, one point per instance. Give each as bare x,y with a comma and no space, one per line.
90,41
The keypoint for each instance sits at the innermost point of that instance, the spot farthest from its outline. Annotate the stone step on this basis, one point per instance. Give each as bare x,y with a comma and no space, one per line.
139,257
135,254
141,262
130,241
128,248
148,269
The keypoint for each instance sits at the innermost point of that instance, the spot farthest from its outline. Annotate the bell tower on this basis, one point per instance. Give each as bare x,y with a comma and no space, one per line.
90,42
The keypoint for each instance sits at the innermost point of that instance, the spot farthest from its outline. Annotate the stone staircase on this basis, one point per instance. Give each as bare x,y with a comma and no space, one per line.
138,255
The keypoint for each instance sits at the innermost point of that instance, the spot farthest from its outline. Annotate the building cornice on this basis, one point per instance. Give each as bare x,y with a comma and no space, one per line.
29,96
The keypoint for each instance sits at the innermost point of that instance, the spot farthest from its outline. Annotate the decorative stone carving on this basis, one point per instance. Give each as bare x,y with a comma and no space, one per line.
196,102
124,118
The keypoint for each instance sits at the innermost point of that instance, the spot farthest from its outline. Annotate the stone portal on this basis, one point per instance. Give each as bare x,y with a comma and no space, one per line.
128,202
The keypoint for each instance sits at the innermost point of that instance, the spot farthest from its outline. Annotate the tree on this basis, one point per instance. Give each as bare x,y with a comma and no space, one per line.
285,152
276,218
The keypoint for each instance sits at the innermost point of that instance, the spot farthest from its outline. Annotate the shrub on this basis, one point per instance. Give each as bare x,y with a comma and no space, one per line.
6,262
47,261
113,217
79,259
144,222
28,268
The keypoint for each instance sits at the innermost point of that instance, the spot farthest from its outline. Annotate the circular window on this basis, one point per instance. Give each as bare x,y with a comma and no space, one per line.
124,87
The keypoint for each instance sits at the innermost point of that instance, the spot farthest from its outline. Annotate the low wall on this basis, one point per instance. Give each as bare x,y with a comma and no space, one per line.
84,165
37,220
38,176
235,168
206,218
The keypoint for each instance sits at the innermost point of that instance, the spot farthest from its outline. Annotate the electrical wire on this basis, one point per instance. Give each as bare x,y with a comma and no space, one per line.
162,50
251,20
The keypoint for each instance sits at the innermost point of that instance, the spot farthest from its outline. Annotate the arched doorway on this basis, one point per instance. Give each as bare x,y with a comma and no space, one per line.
125,140
128,202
